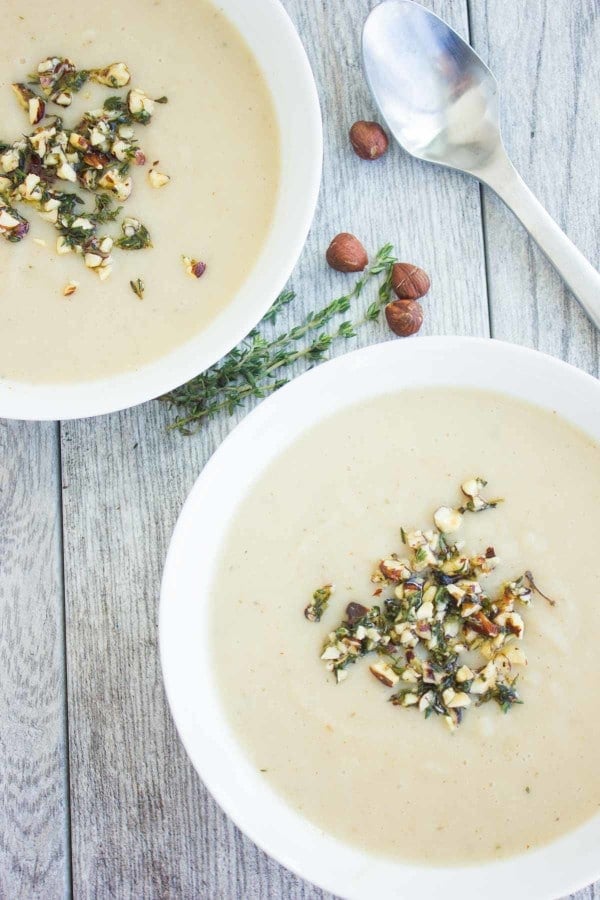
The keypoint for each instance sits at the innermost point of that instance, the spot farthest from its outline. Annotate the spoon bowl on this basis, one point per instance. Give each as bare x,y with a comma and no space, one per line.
440,101
437,96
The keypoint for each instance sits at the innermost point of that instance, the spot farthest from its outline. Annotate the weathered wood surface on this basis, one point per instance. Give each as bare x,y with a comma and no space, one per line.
33,761
546,56
142,825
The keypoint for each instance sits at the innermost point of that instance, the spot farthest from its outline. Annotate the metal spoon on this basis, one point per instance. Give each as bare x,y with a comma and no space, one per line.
440,102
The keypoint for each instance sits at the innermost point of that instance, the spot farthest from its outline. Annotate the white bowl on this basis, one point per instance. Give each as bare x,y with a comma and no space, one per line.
549,872
270,34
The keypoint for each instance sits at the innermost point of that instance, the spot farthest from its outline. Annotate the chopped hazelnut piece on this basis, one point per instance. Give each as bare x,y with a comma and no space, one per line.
92,260
116,75
464,674
140,105
513,623
438,610
66,172
460,700
157,179
395,569
447,520
384,673
515,655
9,160
410,699
485,680
70,288
473,487
194,267
425,611
104,272
62,246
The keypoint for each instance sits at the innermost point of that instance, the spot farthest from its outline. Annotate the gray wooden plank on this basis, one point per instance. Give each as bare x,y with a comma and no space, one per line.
34,857
545,55
142,823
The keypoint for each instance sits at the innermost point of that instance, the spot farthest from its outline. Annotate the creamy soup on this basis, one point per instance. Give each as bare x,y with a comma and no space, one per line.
370,773
217,138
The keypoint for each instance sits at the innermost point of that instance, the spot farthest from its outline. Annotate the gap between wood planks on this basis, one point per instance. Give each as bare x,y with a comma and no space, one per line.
484,238
68,863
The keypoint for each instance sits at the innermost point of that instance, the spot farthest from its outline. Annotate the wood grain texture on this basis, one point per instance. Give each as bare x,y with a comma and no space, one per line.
143,826
142,823
33,790
545,56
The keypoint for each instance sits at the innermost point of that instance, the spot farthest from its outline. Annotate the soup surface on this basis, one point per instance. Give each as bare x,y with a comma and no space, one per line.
370,773
217,138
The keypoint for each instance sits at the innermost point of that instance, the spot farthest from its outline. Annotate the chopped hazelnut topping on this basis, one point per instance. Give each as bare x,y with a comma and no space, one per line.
62,246
485,679
92,260
140,106
9,160
473,487
157,179
410,699
464,674
437,612
314,610
96,154
117,75
447,520
194,267
384,673
395,569
70,288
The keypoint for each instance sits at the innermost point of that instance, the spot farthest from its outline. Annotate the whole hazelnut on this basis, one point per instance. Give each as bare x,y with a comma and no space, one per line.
409,282
404,317
347,254
368,140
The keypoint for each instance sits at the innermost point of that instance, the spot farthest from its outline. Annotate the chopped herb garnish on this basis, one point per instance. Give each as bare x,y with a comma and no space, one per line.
162,100
506,696
135,236
261,364
68,202
97,155
534,587
114,104
138,287
440,639
320,600
104,210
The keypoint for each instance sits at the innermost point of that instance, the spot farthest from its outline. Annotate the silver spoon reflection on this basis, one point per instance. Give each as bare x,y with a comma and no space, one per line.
440,101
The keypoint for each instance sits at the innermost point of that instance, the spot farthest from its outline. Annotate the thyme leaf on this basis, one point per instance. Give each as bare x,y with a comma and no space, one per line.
139,239
104,210
314,611
138,287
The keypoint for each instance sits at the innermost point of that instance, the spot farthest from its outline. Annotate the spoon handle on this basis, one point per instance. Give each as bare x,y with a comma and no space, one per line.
579,275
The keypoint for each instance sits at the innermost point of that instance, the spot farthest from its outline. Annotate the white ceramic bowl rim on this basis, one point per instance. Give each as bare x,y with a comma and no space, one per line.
272,37
555,870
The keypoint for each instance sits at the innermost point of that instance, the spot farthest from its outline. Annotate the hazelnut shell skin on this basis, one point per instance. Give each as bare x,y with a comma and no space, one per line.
404,317
409,282
369,140
347,254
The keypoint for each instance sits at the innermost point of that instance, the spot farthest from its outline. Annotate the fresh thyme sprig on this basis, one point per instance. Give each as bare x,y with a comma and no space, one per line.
254,367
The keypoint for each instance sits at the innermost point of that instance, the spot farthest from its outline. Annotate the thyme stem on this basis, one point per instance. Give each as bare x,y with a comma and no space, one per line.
249,370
